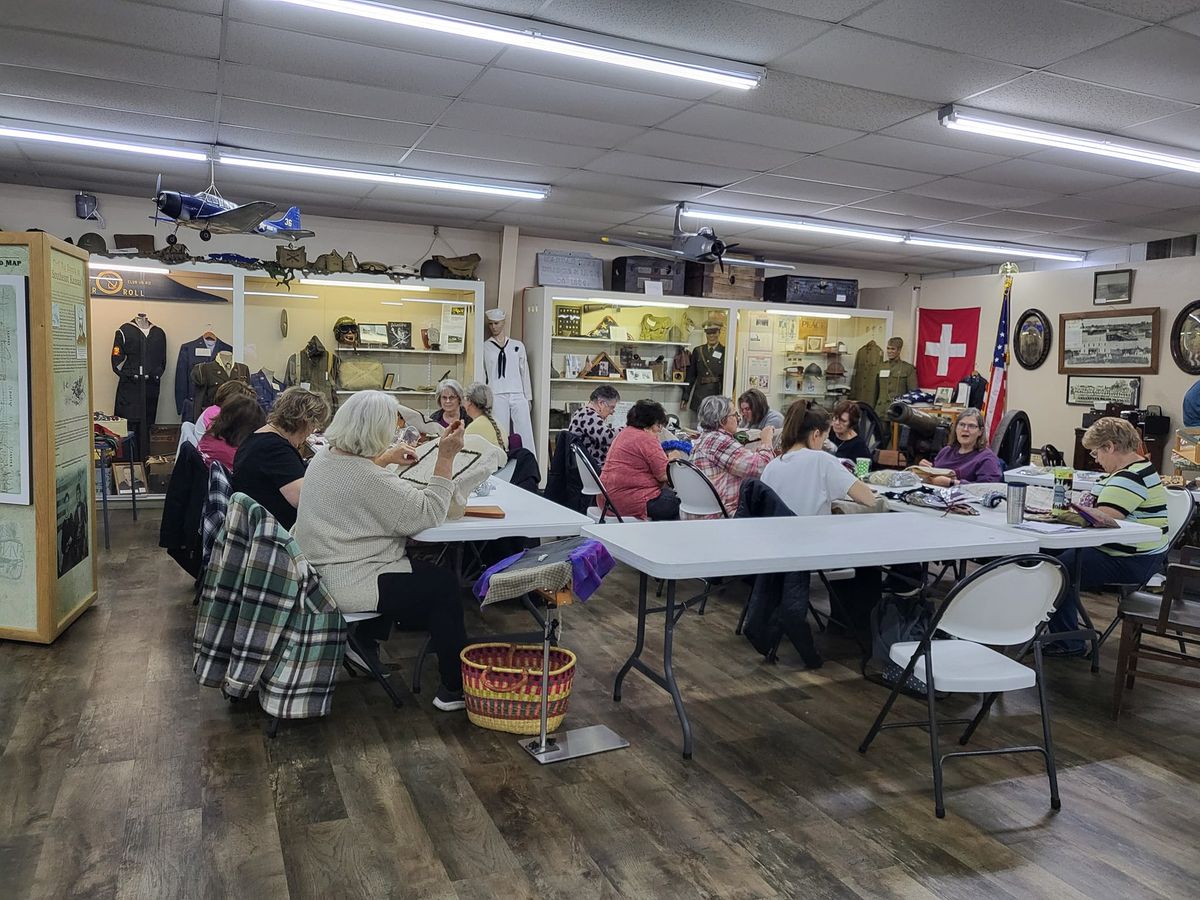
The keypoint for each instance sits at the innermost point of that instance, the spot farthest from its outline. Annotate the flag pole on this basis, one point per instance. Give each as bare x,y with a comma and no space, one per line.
997,390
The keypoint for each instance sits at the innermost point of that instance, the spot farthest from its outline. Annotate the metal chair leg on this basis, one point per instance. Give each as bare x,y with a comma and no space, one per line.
741,623
1048,741
376,673
979,717
1124,651
939,806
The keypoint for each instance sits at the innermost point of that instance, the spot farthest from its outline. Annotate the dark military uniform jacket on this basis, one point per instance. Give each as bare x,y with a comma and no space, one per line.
705,374
138,356
207,377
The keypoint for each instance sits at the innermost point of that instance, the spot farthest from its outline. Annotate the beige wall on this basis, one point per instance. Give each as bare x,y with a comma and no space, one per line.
1167,284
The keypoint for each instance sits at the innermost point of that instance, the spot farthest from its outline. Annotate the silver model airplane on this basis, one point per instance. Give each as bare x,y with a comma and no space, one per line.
702,246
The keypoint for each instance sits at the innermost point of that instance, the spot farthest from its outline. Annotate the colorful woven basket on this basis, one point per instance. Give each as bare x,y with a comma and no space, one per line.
502,684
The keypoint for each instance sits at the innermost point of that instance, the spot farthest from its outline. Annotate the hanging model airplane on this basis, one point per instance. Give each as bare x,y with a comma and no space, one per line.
702,246
210,213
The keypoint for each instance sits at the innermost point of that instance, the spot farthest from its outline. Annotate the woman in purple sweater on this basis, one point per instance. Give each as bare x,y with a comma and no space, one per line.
969,456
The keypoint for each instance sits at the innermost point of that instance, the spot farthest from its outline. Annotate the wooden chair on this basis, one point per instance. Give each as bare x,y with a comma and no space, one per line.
1173,616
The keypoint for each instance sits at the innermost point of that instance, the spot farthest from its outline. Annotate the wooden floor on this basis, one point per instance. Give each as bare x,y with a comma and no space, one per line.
120,777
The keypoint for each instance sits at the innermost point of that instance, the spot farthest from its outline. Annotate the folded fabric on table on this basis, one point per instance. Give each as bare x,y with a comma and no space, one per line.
580,562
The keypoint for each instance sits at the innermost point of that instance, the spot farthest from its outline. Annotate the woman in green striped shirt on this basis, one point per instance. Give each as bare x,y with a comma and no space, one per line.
1131,491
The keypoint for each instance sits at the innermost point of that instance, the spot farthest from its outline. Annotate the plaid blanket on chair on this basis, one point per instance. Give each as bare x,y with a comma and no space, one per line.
266,623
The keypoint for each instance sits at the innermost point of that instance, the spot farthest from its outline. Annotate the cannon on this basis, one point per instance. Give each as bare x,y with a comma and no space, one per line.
922,434
917,420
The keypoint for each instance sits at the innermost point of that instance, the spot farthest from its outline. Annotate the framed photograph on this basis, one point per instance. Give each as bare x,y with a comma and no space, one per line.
1112,287
1088,390
815,343
399,335
1031,338
643,375
373,335
16,471
389,381
1108,342
1185,339
944,395
130,482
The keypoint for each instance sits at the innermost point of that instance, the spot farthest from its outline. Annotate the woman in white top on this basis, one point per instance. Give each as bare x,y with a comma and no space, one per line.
805,477
354,520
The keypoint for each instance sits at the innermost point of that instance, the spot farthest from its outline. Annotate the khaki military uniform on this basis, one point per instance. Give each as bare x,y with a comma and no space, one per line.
901,378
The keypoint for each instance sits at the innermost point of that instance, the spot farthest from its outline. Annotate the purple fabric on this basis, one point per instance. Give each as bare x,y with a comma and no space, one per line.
590,562
980,466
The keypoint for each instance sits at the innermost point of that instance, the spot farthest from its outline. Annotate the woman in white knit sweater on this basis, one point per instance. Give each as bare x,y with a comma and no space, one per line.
354,520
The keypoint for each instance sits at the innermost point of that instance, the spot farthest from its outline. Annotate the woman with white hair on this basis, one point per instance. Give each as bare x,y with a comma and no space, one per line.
478,404
450,398
353,523
721,457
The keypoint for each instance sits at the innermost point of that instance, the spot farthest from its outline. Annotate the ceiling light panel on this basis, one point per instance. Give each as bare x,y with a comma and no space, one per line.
517,32
21,132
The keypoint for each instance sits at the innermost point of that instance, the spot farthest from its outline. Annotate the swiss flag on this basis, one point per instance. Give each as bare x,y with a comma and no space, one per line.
946,342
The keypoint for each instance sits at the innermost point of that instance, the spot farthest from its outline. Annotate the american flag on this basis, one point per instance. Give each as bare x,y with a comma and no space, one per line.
997,392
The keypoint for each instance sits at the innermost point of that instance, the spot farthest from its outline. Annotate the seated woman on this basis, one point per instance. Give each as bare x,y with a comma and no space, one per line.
477,401
850,444
239,418
590,425
450,397
721,458
755,411
635,473
229,389
268,467
354,522
969,455
1131,491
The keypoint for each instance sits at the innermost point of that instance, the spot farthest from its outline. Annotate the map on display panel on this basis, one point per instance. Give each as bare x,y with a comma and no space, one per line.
210,213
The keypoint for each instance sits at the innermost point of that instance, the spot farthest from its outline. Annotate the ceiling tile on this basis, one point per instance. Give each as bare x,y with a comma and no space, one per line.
589,215
811,100
1023,32
1067,101
760,203
122,22
669,145
714,27
310,146
1024,173
1148,193
102,94
927,130
1097,210
287,17
988,233
649,191
1187,179
1189,22
887,151
925,207
267,117
1128,234
1156,61
1181,221
799,189
569,98
836,171
708,120
482,168
1027,221
538,126
71,115
964,190
1122,168
552,65
865,60
567,196
303,54
1179,130
1146,10
656,169
300,92
490,146
825,10
861,216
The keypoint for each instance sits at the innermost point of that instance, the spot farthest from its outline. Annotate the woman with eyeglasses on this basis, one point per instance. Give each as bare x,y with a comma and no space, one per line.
724,460
590,423
969,455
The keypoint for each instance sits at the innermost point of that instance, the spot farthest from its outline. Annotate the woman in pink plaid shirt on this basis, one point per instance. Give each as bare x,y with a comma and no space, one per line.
723,460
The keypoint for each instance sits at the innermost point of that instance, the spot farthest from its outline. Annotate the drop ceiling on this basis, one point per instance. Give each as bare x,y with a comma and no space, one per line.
843,127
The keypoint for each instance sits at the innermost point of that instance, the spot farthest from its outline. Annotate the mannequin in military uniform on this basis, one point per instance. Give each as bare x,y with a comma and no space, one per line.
896,377
706,372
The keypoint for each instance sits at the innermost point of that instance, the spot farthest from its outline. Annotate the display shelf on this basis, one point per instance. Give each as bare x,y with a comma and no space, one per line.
604,340
595,381
399,350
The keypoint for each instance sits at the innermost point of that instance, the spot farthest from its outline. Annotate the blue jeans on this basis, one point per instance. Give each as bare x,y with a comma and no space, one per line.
1098,569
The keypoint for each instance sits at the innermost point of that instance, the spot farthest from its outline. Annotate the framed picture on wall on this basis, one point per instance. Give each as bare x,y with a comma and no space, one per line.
1112,287
1031,338
1088,390
1109,342
1185,339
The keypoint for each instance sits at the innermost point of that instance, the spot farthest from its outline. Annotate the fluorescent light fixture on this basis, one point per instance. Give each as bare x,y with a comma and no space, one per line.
121,267
795,223
1049,135
433,180
10,130
847,229
286,296
517,32
365,284
1000,249
610,301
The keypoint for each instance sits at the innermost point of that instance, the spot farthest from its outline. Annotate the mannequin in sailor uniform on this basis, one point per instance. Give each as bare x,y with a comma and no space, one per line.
506,368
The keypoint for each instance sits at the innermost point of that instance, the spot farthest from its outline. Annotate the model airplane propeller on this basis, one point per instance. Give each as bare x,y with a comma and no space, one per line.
702,246
210,213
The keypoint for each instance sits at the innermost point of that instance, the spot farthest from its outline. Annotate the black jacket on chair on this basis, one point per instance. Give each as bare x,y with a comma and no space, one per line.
562,481
778,602
526,475
183,510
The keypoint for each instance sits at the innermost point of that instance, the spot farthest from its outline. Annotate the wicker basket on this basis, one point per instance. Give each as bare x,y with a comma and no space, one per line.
502,684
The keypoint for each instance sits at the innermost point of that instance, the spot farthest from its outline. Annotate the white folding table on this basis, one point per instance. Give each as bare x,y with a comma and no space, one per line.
525,515
730,547
1033,475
